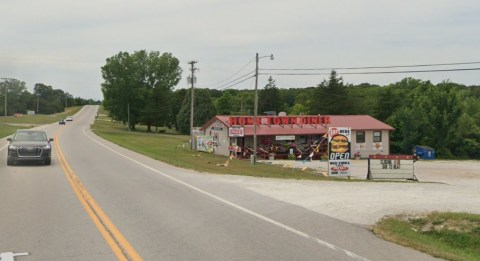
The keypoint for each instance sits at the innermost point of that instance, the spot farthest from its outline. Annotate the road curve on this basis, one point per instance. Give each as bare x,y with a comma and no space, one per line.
99,201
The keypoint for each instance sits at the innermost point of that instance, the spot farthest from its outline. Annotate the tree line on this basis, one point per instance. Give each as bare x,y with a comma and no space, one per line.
44,99
138,88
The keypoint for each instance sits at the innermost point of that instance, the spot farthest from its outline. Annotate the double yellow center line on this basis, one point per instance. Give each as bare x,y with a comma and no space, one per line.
122,249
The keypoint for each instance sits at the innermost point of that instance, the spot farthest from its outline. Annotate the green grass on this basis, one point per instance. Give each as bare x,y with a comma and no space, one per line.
6,130
9,124
174,149
447,235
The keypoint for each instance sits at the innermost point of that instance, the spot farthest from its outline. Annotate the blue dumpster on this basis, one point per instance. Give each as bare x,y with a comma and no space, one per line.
425,152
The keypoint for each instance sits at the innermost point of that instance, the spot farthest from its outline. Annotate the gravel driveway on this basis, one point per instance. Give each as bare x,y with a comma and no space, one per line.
442,186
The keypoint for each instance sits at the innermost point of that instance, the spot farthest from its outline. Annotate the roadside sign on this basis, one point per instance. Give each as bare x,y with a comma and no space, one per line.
339,140
391,167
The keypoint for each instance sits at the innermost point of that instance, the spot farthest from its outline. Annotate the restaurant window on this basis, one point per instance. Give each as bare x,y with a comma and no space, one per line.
360,137
377,136
302,139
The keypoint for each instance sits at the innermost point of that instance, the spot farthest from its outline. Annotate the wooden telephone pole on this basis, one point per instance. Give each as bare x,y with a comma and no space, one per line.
192,81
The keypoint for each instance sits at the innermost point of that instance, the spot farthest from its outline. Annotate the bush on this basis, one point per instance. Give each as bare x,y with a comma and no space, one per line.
444,153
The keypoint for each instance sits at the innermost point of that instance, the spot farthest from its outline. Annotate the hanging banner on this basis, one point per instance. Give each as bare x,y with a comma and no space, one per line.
339,151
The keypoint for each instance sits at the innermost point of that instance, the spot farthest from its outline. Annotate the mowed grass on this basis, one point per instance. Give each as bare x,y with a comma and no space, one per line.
447,235
9,124
175,150
6,130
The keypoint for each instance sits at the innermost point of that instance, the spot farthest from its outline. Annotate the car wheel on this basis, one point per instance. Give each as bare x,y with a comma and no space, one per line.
48,161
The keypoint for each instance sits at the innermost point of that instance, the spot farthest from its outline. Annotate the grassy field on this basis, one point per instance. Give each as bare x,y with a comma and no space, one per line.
174,150
10,124
451,236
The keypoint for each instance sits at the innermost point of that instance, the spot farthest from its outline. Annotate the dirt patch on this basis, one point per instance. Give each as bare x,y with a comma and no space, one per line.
444,186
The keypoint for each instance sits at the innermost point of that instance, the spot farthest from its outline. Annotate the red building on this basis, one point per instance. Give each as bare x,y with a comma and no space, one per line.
277,136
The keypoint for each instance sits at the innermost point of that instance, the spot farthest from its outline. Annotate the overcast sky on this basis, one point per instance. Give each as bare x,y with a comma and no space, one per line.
64,43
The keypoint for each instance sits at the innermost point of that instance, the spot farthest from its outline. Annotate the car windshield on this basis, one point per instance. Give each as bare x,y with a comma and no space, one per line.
30,136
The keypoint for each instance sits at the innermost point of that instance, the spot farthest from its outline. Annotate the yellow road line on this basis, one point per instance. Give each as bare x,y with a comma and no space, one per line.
122,249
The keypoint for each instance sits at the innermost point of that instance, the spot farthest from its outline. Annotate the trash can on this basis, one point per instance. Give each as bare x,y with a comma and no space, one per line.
424,152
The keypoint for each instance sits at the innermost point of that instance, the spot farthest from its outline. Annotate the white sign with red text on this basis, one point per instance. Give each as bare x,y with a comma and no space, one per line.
236,132
339,151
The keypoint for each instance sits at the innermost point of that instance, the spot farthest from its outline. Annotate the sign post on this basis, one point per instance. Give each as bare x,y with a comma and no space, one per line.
339,151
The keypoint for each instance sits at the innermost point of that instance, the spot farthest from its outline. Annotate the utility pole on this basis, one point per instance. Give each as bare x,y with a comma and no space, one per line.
255,107
128,116
192,80
38,98
6,91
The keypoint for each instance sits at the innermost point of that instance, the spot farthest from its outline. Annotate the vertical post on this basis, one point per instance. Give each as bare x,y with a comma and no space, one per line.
6,91
192,80
255,109
38,98
369,174
128,116
5,83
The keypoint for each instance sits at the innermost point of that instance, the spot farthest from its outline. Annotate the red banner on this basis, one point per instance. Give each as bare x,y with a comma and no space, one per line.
279,120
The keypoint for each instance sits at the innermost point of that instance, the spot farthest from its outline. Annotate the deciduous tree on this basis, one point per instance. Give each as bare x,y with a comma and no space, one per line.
138,86
203,110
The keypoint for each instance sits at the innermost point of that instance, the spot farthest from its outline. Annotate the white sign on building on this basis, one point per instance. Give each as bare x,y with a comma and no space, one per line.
236,132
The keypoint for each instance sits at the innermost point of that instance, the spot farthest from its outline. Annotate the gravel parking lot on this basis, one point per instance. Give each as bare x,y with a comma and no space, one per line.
442,186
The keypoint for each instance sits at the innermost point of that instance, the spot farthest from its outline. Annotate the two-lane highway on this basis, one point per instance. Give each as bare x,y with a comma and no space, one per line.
98,201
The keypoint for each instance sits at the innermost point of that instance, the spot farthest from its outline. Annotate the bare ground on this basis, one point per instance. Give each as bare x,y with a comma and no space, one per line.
442,186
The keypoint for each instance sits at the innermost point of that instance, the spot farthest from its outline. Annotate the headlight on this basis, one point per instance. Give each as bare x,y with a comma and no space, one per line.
12,147
47,147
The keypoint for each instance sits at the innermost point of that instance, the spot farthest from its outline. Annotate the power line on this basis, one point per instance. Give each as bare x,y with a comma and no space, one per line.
161,108
369,67
228,78
236,81
229,86
379,72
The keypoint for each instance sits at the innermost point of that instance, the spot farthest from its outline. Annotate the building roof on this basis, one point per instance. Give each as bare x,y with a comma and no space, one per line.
359,122
356,122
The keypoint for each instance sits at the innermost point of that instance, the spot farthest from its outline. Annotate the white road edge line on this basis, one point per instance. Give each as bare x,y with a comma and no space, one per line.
264,218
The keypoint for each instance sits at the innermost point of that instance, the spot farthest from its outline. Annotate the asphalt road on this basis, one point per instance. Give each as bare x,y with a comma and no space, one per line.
98,201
